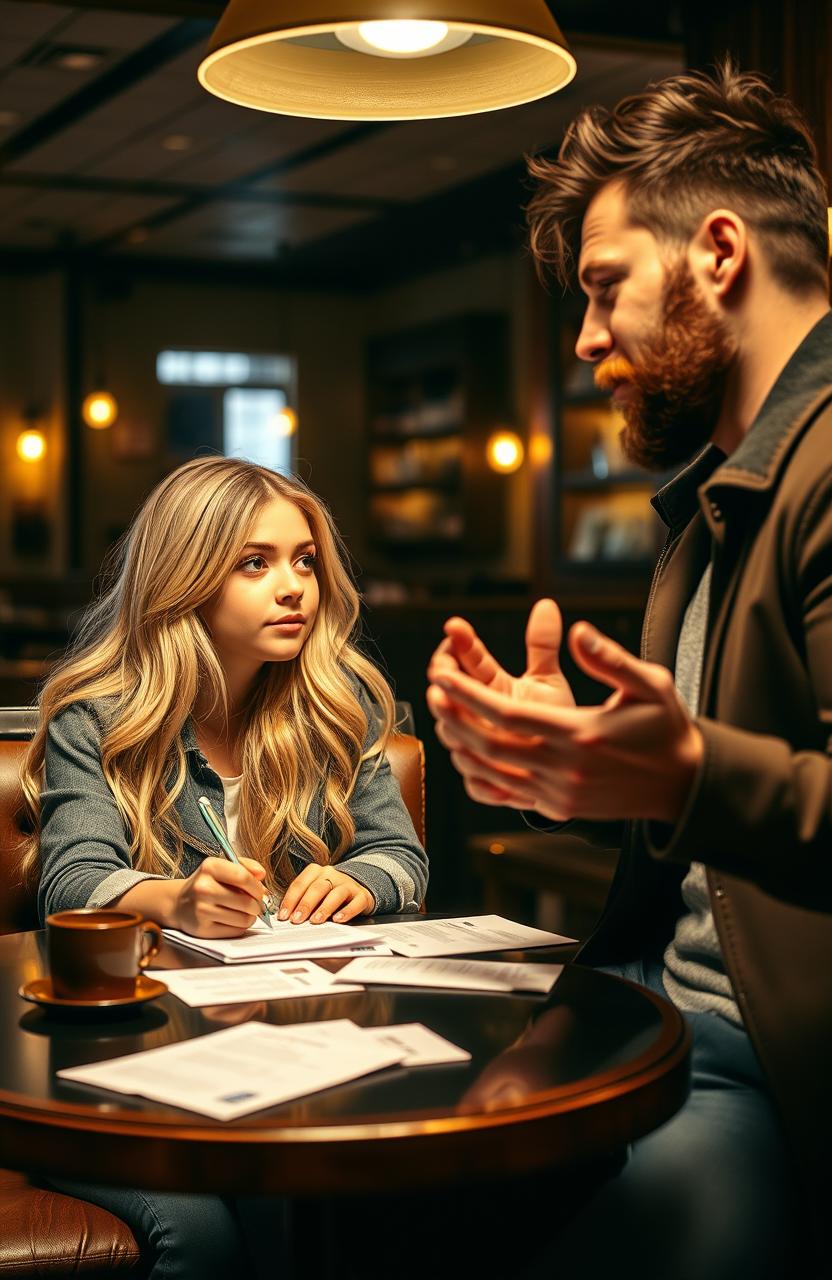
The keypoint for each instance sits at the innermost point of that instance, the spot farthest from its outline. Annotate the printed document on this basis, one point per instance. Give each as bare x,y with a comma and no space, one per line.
462,935
424,1048
285,939
465,975
232,984
233,1072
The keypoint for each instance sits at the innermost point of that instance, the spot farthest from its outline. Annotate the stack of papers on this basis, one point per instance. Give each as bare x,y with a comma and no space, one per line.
285,939
234,1072
463,935
466,975
231,984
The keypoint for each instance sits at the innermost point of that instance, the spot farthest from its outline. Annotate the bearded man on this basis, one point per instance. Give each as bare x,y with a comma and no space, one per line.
697,216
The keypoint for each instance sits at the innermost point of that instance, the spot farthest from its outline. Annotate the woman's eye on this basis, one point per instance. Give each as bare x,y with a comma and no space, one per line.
308,561
255,563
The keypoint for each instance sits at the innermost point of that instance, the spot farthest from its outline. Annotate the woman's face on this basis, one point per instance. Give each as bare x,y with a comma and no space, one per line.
265,609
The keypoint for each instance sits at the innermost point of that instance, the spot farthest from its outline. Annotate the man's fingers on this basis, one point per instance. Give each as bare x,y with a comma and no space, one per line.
472,655
522,718
606,660
544,633
442,659
471,765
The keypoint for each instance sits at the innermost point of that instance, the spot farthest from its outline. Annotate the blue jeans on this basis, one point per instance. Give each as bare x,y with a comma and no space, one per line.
708,1196
191,1237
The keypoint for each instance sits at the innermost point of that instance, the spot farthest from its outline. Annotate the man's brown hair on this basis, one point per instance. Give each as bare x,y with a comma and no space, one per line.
684,146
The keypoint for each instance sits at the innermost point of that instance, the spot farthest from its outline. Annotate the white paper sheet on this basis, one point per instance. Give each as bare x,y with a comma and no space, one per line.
239,1070
466,975
232,984
424,1048
284,940
463,935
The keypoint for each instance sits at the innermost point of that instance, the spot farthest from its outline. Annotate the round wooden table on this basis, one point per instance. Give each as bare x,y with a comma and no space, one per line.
552,1081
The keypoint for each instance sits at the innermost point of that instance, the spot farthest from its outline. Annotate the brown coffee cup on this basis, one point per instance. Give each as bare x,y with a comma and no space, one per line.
98,953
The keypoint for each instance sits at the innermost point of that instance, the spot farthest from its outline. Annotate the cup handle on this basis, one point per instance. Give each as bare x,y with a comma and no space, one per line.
153,932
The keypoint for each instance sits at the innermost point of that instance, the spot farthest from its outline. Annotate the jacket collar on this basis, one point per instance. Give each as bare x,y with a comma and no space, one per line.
678,500
802,387
805,379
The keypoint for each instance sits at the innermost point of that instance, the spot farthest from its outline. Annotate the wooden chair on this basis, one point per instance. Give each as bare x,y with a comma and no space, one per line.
43,1232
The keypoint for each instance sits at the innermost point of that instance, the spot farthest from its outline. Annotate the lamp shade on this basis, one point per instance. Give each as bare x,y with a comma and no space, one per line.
385,59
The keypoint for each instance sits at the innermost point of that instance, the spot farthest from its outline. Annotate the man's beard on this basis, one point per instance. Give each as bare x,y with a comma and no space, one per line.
677,387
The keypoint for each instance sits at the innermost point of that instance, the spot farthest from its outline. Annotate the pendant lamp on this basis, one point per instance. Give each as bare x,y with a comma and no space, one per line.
385,59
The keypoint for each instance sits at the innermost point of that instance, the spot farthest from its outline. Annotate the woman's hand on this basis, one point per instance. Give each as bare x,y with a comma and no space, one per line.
220,899
323,893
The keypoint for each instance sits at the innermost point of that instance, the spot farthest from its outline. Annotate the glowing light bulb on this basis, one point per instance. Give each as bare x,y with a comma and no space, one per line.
402,38
504,451
31,446
99,410
286,422
403,35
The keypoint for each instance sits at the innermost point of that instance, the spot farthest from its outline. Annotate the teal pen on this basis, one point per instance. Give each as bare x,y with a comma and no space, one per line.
207,811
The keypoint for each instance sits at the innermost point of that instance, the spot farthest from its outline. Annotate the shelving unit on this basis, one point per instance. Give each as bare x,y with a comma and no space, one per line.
434,396
604,526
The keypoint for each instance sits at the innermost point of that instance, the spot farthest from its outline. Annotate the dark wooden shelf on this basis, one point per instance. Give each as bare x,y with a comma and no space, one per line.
434,486
606,566
574,480
405,437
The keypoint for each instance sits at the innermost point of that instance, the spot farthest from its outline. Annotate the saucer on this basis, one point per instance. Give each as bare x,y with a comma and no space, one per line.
39,991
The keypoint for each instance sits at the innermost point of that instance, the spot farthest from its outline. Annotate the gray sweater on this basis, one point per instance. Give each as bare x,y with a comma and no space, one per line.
84,848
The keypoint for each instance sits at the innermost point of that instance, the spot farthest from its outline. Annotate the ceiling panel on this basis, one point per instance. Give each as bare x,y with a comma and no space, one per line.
31,21
241,230
122,31
13,198
48,218
259,141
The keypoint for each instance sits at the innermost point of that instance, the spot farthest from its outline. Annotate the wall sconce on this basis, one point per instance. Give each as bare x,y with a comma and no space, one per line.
286,421
31,445
504,452
345,60
99,410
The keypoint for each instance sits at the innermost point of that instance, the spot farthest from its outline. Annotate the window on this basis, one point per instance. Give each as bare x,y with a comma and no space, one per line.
232,403
250,427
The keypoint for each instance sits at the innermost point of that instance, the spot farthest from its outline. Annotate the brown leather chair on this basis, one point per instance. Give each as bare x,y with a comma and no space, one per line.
43,1232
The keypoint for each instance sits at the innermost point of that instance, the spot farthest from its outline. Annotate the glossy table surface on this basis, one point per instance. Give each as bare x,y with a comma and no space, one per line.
552,1080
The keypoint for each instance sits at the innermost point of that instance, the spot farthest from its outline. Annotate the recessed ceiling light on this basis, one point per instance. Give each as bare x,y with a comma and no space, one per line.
79,59
177,142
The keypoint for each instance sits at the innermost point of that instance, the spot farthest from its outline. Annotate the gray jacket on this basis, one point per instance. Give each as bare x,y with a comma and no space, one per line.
84,849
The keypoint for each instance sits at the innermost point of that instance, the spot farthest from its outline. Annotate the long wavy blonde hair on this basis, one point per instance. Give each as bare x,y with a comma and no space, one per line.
144,647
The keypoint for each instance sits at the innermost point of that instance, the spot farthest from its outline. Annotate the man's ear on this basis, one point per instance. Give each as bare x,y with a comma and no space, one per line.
719,252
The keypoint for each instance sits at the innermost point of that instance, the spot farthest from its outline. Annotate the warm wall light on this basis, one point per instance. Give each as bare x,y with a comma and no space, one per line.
99,410
504,451
286,421
350,60
31,445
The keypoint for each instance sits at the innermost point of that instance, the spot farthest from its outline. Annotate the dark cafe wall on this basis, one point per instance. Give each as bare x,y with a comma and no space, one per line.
362,312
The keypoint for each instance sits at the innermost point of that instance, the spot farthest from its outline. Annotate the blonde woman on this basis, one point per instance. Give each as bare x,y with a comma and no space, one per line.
219,661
